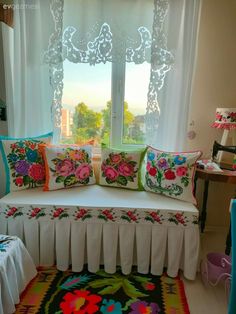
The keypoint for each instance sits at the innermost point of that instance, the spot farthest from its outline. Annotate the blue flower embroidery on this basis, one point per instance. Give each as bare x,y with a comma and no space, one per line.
110,306
3,247
151,155
179,160
32,155
13,157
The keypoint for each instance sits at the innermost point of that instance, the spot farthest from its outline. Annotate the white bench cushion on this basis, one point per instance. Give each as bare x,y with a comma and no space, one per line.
98,196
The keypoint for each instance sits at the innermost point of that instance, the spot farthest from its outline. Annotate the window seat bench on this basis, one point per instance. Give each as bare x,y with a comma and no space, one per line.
103,225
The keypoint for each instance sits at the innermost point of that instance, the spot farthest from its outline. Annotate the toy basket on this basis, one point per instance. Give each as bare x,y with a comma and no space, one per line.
217,268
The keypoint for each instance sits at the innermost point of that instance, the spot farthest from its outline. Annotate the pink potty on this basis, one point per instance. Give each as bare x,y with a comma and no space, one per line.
217,268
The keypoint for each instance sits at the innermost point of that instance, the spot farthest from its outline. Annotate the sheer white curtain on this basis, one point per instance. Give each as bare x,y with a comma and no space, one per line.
174,98
29,94
161,32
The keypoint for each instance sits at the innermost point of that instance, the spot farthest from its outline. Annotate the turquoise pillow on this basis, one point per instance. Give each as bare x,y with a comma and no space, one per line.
121,168
23,162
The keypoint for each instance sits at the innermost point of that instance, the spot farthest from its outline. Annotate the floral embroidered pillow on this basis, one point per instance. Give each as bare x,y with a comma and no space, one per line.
67,166
121,168
23,161
171,174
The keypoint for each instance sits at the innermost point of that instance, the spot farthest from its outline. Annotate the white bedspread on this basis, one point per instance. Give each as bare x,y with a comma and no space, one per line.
97,224
16,271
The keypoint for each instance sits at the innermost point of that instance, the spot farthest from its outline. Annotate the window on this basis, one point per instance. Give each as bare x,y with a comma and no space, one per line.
85,103
125,36
91,109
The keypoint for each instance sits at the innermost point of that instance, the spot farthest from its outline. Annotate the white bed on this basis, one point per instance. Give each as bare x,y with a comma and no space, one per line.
105,225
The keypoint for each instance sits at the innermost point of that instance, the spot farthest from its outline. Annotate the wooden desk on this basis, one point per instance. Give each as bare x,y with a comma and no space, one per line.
226,176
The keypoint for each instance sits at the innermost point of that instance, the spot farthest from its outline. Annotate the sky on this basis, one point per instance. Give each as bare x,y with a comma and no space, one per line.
92,85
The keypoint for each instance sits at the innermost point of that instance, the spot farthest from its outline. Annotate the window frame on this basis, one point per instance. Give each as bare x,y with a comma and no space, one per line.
118,72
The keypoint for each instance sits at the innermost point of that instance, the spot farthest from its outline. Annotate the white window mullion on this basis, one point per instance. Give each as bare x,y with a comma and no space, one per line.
117,110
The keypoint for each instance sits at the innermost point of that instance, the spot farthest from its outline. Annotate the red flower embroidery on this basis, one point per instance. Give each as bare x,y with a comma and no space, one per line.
37,172
35,211
80,302
155,216
58,212
131,216
152,171
169,174
21,150
11,211
19,181
149,286
81,213
179,218
13,146
107,213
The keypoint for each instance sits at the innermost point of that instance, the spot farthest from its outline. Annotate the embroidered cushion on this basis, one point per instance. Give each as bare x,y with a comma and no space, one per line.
121,168
171,174
67,166
23,163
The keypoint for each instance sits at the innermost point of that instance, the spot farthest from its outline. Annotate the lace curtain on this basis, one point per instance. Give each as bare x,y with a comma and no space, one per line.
46,33
103,31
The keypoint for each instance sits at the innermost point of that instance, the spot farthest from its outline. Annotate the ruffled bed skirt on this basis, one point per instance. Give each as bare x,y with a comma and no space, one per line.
150,247
150,231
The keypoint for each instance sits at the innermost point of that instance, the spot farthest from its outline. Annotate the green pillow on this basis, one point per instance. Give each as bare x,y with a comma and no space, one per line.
121,168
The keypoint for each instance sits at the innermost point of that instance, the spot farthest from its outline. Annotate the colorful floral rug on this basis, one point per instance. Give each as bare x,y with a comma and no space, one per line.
56,292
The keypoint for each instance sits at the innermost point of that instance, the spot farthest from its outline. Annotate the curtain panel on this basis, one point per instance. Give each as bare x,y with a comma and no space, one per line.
46,33
160,32
29,94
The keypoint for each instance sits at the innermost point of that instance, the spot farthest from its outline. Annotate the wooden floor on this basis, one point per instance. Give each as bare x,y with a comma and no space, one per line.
207,299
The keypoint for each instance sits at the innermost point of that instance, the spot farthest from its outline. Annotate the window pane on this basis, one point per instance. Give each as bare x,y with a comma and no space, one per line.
86,103
136,87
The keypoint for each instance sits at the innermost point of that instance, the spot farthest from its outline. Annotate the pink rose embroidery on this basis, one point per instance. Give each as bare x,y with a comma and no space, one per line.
126,169
120,168
181,171
111,173
148,166
65,167
83,171
116,158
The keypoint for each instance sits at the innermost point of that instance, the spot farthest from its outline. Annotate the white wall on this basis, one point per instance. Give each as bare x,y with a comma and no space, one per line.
214,86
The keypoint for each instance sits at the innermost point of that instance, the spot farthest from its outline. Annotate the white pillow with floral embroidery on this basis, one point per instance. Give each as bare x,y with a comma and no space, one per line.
67,166
23,162
121,168
171,173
